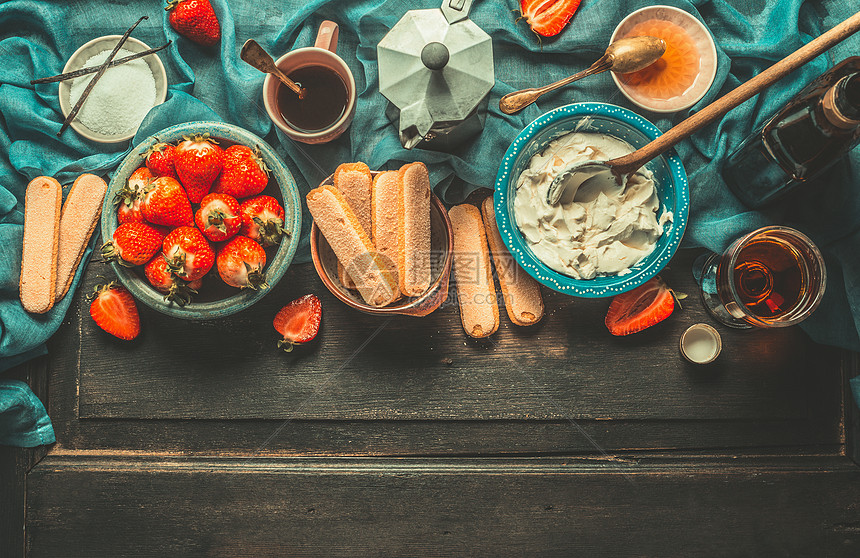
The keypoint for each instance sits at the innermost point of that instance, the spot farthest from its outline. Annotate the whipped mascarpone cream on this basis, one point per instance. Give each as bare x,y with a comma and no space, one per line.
605,228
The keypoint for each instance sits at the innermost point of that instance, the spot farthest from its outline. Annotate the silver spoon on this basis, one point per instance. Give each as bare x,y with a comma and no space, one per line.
622,56
253,54
621,168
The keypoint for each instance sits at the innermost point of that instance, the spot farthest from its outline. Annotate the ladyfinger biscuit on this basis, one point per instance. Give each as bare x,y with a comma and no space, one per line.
41,233
479,310
385,228
81,212
351,244
413,267
521,292
354,182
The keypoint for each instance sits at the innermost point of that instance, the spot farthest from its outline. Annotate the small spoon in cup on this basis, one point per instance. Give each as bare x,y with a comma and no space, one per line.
253,54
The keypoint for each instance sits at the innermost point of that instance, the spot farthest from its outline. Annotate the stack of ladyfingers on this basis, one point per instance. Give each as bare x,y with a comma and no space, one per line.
379,229
476,293
55,237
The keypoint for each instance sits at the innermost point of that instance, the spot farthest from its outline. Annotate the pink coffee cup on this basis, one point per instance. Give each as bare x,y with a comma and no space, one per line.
321,54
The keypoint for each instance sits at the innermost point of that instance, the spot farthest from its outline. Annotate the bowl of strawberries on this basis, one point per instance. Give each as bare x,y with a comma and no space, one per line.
201,220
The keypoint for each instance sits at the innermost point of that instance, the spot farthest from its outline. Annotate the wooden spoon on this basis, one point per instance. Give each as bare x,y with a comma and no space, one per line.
622,56
627,165
253,54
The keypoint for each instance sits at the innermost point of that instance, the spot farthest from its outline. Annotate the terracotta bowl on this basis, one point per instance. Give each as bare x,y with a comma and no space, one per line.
441,248
216,298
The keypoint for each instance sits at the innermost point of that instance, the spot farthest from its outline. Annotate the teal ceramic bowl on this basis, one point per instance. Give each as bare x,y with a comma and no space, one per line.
669,177
216,299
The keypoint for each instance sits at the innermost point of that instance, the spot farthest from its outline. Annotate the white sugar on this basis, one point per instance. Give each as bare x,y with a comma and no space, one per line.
120,98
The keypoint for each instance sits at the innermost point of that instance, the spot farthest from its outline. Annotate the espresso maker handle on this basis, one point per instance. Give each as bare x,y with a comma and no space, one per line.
456,10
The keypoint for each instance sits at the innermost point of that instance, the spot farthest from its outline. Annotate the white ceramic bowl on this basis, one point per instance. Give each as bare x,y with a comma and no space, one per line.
87,51
704,43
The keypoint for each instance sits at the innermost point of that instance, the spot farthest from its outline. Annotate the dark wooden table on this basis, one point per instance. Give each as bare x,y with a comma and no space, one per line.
404,437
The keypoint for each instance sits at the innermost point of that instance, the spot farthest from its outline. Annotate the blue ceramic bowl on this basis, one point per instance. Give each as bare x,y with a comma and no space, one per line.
216,299
669,176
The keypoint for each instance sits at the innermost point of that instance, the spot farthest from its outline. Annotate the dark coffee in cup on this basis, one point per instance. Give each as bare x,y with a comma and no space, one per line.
324,102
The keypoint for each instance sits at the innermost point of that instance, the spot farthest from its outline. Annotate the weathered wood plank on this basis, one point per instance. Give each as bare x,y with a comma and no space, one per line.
431,438
483,507
426,369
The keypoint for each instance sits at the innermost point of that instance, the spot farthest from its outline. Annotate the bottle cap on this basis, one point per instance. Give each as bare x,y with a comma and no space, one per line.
701,344
830,107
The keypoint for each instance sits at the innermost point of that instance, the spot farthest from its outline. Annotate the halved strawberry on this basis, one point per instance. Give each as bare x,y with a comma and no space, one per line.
115,311
298,322
640,308
548,17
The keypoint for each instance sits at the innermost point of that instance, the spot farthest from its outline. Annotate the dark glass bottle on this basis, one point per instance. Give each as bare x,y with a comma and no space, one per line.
813,131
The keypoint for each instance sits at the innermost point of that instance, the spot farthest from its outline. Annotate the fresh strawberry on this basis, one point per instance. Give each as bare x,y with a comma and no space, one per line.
298,322
133,244
640,308
127,198
195,20
165,203
160,159
115,311
139,179
198,162
548,17
188,253
244,174
176,290
129,213
263,220
241,262
219,217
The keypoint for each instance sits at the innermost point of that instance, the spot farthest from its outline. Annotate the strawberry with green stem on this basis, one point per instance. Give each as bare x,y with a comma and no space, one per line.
127,199
241,262
263,220
244,173
165,203
132,244
198,162
189,255
174,289
195,20
160,159
219,217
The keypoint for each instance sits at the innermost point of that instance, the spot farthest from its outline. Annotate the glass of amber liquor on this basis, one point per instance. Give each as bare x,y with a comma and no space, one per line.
772,277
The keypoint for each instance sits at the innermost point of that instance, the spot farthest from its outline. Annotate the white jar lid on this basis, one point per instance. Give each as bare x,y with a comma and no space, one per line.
701,344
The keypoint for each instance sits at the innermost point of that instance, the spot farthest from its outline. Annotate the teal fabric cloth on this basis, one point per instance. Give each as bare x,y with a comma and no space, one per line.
23,420
36,37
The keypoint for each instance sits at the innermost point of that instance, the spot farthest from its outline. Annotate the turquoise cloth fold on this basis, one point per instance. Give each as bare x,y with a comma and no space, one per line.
23,420
213,83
